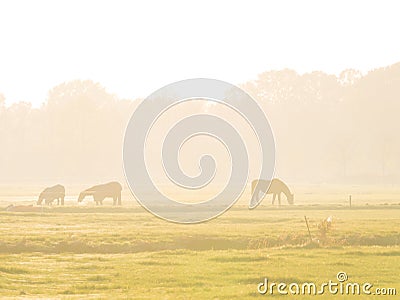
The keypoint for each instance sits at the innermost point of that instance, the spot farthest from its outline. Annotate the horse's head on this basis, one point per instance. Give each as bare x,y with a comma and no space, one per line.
40,200
290,199
81,196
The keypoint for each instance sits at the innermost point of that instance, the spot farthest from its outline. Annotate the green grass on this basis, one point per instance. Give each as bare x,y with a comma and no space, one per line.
187,274
126,253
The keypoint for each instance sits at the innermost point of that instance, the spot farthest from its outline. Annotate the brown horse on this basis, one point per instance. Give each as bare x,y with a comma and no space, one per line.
275,187
50,194
102,191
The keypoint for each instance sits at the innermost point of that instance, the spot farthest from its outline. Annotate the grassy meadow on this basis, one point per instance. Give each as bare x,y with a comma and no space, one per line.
126,253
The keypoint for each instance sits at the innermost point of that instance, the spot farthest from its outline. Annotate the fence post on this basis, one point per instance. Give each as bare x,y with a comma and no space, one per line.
308,228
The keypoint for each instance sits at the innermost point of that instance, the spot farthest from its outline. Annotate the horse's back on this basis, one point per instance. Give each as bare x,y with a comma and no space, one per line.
278,186
111,187
55,190
115,186
261,185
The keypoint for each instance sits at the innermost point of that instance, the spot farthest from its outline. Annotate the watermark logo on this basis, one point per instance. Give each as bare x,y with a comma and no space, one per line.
341,276
147,114
340,286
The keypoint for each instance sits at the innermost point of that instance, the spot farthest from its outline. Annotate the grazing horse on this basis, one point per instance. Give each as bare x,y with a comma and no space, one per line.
50,194
275,187
100,192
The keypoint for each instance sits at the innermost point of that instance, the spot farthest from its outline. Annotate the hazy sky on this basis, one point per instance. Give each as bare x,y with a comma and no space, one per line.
133,48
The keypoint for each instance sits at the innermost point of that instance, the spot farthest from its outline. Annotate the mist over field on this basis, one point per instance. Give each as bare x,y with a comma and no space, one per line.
192,219
328,129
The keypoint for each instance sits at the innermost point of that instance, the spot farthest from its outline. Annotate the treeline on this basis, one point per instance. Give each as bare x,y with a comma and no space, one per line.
76,135
333,129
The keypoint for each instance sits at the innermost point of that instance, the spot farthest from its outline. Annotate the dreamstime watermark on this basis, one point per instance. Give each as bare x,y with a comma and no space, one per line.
148,113
337,287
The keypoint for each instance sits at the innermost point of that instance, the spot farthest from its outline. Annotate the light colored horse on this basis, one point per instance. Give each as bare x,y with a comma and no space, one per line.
102,191
50,194
275,187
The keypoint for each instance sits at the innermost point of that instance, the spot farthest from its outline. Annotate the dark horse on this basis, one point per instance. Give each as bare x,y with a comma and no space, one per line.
275,187
50,194
102,191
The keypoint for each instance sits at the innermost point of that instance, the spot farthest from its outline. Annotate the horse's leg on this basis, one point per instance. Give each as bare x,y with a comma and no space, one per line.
273,198
115,200
279,199
62,200
119,199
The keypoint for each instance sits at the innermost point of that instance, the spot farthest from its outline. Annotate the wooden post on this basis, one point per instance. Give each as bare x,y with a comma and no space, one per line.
350,200
308,228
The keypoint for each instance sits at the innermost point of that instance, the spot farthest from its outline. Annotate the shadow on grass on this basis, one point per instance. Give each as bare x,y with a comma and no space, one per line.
237,259
13,270
197,243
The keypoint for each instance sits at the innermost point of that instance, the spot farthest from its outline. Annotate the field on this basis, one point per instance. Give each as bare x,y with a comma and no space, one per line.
126,253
